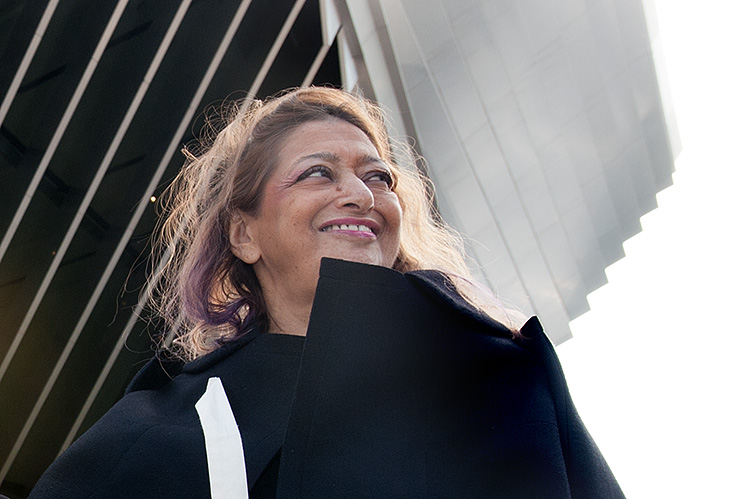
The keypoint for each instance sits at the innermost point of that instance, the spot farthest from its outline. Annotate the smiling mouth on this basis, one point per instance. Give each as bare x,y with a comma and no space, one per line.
347,227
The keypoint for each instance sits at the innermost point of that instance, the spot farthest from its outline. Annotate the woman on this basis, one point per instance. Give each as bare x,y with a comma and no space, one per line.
314,352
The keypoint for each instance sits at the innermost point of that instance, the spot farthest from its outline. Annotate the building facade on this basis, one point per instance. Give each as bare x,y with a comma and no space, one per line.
545,126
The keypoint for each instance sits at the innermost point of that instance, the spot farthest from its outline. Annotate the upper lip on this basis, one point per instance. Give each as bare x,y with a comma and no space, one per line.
371,224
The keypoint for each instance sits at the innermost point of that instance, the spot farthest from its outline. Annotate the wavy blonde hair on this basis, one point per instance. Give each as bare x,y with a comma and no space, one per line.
204,293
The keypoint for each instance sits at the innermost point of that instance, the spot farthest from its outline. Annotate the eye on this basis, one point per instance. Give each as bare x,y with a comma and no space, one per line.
317,171
379,176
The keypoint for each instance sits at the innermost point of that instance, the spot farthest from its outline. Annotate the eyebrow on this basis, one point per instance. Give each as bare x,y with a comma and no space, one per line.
335,158
328,156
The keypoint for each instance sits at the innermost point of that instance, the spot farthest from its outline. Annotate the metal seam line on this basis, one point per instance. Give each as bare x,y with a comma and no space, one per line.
75,100
179,133
27,58
117,140
61,127
315,66
271,57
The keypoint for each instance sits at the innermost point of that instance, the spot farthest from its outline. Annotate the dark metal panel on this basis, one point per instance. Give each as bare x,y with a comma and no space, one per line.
44,104
24,203
93,186
16,32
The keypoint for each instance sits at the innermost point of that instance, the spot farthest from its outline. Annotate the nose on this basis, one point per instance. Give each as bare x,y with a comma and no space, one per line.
352,192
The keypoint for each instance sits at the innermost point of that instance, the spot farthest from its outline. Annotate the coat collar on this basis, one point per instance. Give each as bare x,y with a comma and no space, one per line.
441,288
435,284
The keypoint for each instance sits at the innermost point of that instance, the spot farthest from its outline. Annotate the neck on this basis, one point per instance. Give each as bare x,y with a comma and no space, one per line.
289,296
287,325
288,313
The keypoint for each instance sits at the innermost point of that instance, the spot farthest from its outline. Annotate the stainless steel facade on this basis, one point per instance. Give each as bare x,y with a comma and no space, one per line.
544,125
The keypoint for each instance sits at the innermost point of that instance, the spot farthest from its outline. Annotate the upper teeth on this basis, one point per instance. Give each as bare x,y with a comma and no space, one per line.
361,228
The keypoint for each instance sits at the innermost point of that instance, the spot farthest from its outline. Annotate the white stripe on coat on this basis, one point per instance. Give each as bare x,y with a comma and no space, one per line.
226,459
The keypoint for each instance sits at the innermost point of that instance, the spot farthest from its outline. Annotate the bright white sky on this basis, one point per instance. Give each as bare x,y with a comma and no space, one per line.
660,366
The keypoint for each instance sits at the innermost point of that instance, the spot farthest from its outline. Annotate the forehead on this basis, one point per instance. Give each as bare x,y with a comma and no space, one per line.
322,135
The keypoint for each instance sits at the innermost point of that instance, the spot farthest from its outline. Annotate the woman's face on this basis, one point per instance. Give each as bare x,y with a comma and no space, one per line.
330,196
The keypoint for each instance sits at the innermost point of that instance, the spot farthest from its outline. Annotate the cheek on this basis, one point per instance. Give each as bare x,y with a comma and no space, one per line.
296,220
283,208
393,212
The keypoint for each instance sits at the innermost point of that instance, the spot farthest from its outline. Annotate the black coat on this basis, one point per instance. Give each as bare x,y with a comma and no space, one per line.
403,390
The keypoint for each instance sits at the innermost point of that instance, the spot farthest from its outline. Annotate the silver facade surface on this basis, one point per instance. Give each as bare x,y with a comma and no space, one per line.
546,129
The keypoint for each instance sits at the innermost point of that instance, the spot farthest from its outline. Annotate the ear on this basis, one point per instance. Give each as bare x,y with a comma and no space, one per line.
241,238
